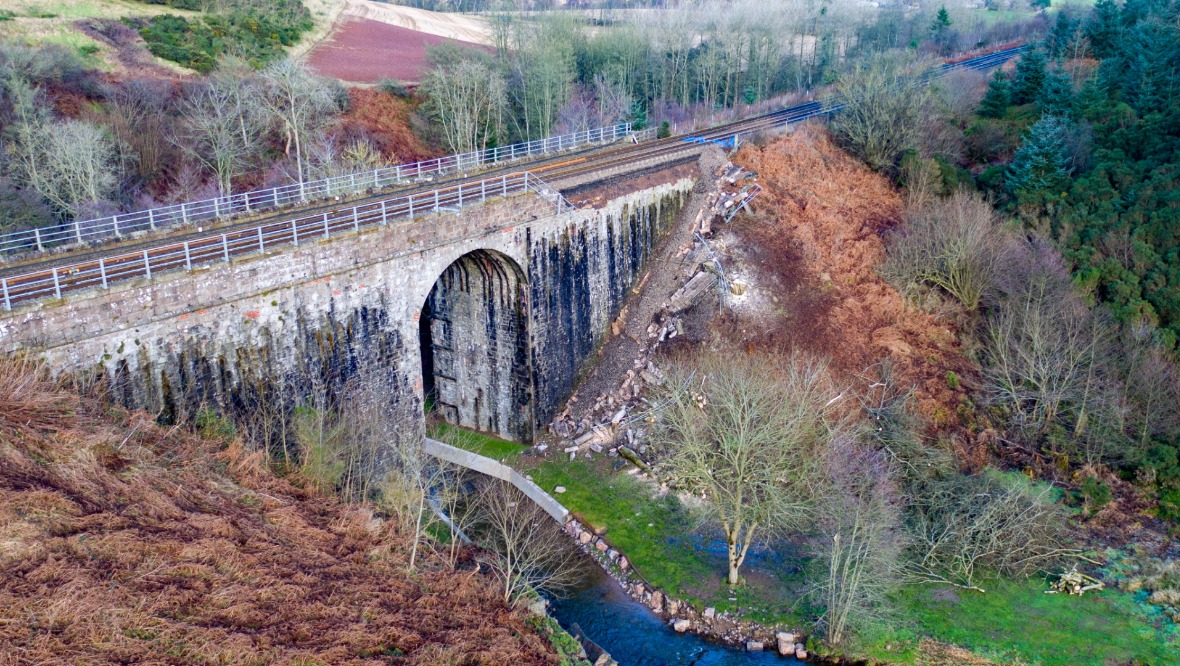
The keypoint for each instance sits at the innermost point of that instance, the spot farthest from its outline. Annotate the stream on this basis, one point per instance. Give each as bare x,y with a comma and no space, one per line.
635,636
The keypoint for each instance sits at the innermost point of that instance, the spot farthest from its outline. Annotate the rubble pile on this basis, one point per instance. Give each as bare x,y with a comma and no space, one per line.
614,422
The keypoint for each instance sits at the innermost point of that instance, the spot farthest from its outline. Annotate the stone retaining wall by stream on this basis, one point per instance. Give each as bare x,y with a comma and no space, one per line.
682,616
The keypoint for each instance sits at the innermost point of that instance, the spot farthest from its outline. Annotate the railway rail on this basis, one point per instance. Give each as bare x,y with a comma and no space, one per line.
54,277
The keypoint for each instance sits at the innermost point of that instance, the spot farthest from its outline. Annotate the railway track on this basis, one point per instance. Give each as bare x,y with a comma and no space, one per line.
53,277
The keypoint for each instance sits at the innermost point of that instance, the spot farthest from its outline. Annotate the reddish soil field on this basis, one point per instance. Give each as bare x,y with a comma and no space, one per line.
365,51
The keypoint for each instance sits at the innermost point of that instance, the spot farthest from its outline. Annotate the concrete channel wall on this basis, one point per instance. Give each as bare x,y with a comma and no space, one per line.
493,468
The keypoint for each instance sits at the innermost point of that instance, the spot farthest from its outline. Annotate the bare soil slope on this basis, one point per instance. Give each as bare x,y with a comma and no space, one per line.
817,238
125,542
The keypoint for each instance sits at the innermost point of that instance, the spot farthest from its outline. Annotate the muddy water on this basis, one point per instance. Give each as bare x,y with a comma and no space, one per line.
635,636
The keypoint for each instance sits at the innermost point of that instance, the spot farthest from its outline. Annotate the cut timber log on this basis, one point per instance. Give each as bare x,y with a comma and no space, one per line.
633,458
686,296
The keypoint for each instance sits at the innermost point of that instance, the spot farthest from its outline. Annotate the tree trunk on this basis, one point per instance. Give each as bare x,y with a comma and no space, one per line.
734,564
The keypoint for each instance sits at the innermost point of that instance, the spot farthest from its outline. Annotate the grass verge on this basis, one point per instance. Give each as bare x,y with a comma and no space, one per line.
1015,622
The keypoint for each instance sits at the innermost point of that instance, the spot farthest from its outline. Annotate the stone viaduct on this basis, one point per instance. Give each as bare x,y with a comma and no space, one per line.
489,312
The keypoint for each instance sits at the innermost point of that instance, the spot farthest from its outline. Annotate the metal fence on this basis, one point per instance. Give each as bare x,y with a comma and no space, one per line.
57,280
90,232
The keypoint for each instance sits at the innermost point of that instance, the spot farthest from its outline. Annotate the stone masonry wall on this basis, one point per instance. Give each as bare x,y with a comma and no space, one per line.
231,334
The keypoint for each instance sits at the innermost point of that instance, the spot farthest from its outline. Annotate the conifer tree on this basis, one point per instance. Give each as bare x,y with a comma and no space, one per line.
1103,28
999,94
1040,167
1056,97
1029,77
940,27
941,23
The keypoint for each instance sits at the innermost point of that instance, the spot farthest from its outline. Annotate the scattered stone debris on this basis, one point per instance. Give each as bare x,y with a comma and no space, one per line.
613,422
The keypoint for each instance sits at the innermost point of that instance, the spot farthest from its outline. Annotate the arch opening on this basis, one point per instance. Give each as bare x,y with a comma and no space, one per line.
474,341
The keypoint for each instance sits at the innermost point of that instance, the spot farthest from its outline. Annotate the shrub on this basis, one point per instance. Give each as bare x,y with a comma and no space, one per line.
255,33
951,244
394,87
212,425
1095,495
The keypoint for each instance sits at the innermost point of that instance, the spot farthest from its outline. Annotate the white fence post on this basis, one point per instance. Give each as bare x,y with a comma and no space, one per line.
147,265
225,246
188,262
7,300
56,283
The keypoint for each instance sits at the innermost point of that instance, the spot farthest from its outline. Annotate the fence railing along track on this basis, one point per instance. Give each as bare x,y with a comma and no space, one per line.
192,213
214,247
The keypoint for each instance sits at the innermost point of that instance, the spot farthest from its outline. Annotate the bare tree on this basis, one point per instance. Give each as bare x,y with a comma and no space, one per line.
861,539
80,166
1151,380
964,527
467,96
27,135
139,120
745,437
1045,346
329,157
452,496
883,112
223,126
959,93
951,244
299,102
525,547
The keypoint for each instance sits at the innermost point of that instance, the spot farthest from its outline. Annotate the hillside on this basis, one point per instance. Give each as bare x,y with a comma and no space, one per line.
125,542
820,235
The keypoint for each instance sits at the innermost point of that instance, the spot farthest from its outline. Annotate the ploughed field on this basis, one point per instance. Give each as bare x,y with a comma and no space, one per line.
362,50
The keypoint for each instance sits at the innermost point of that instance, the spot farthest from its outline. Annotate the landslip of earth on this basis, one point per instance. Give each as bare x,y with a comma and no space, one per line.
371,41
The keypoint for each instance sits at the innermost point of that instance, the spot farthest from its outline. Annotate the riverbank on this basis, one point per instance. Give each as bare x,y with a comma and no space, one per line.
666,551
681,616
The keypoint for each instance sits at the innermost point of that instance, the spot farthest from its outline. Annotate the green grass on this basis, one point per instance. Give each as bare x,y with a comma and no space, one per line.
476,442
80,9
1015,621
657,536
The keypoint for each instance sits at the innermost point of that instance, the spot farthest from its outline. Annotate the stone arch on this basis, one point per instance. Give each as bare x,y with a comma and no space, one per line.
474,337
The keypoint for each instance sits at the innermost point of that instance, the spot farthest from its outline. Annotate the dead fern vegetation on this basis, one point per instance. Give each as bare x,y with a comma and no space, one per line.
125,542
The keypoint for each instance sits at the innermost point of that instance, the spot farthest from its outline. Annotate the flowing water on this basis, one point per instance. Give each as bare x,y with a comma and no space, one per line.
635,636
